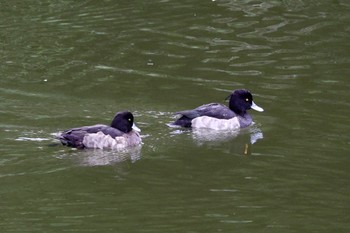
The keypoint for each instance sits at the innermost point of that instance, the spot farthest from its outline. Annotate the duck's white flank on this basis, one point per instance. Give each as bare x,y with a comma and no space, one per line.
217,124
101,141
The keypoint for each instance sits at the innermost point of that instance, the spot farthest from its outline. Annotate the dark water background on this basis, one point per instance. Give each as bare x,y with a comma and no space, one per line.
72,63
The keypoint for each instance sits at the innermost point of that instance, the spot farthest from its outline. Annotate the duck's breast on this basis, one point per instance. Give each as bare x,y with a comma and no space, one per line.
132,138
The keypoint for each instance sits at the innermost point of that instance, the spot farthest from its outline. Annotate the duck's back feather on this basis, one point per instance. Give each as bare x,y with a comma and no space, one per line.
94,129
214,110
74,137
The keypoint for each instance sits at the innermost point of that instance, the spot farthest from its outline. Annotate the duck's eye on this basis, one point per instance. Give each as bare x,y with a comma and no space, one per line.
247,100
129,119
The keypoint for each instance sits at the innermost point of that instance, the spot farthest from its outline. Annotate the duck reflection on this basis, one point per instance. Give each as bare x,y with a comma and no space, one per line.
97,157
237,141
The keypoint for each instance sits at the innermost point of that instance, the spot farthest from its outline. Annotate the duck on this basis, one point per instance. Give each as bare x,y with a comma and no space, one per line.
121,133
220,117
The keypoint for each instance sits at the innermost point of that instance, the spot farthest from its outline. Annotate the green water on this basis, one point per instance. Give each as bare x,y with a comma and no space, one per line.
72,63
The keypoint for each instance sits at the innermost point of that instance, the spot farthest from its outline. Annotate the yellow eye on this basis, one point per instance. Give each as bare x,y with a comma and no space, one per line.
129,119
247,99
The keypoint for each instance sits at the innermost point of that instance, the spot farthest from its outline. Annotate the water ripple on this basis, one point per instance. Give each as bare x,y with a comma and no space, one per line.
66,64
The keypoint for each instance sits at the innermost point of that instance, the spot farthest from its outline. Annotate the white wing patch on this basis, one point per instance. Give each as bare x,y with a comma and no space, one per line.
217,124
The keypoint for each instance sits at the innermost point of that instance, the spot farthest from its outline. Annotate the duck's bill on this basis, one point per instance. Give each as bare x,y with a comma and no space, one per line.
256,107
137,129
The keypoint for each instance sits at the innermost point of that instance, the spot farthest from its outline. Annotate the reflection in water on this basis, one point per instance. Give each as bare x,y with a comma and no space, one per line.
98,157
237,141
209,135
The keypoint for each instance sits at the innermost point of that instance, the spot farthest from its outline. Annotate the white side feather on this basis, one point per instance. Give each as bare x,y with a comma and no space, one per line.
101,141
214,123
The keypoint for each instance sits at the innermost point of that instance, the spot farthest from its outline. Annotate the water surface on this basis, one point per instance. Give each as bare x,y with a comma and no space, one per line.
66,64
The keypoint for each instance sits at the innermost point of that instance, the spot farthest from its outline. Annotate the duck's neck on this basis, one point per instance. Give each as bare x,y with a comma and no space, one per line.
245,120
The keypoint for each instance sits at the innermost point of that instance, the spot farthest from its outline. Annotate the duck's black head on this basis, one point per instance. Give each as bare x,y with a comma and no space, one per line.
242,100
123,121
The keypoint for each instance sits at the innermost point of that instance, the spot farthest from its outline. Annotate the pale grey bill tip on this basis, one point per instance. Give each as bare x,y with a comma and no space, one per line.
134,127
256,107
